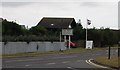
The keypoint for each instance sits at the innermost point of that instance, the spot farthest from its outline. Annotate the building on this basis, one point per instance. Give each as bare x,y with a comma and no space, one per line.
1,19
57,23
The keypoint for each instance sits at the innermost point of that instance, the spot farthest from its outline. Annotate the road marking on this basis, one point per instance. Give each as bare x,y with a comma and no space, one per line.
27,65
89,62
51,63
72,68
69,67
65,61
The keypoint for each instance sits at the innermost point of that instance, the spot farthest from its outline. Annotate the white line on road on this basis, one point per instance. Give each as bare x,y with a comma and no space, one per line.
72,68
89,62
69,67
65,61
27,65
51,63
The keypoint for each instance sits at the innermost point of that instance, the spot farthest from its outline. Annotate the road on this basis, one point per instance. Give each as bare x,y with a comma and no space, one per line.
73,61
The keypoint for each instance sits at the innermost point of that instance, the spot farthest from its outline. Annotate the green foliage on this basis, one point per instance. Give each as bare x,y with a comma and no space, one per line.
101,37
11,31
11,28
78,33
38,30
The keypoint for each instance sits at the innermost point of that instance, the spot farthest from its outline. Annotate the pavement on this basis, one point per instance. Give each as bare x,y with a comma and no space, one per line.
73,61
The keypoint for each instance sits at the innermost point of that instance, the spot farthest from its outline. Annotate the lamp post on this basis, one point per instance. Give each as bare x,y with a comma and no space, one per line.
69,37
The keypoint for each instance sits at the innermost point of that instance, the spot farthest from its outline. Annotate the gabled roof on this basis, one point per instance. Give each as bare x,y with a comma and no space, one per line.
50,22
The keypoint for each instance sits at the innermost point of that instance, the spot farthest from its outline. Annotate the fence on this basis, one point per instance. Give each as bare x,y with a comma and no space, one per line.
21,47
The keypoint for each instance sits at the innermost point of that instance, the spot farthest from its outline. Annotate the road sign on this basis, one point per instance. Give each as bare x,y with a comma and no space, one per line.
67,31
89,44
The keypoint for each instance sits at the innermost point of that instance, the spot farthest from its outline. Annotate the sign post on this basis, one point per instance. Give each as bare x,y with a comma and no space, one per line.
68,32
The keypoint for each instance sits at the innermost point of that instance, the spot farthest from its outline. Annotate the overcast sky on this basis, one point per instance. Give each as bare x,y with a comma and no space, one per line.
29,13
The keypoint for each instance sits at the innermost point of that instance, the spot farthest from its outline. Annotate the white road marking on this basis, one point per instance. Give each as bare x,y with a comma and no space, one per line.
27,65
89,62
51,63
65,61
69,67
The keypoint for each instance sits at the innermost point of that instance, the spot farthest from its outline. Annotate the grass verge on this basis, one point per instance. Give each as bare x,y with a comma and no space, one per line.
73,50
112,62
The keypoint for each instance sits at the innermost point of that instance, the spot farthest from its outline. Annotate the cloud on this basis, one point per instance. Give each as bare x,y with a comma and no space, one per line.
59,0
15,4
100,13
119,15
90,4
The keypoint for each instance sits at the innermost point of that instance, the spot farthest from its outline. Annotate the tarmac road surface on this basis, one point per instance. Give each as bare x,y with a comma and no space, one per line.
73,61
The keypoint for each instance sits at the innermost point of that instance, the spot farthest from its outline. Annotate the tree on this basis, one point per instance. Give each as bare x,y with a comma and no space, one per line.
78,32
95,35
108,37
11,28
38,30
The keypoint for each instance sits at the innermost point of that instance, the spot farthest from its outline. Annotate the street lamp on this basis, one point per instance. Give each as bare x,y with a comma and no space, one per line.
69,37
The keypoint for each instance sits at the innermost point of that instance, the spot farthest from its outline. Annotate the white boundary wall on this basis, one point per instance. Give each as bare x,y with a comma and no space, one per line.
21,47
